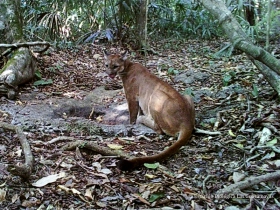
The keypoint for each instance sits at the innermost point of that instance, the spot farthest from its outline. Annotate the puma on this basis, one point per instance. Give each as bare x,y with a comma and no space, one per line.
153,103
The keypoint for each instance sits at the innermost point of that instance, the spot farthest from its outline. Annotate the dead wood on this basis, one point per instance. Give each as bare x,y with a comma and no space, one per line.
25,170
18,70
96,148
249,182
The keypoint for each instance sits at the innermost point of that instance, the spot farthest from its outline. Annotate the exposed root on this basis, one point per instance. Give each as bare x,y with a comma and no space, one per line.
96,148
25,170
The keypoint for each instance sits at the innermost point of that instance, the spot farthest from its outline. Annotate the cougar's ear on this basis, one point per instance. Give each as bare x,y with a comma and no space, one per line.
124,55
105,54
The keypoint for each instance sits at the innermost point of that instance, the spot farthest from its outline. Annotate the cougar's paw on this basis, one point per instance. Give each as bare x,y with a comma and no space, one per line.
125,165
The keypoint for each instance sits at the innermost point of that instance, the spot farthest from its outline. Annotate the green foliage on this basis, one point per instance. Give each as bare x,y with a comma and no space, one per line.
43,82
156,196
271,143
151,165
68,22
189,92
182,19
62,21
172,71
256,31
90,21
53,69
226,51
107,34
255,91
228,77
38,74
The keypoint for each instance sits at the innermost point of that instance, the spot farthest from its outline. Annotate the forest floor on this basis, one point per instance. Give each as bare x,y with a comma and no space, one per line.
230,96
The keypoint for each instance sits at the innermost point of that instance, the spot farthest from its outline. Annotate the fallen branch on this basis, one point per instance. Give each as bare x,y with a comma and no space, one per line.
249,182
25,44
96,148
25,170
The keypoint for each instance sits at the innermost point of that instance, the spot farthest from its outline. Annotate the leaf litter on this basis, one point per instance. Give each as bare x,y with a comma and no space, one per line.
230,95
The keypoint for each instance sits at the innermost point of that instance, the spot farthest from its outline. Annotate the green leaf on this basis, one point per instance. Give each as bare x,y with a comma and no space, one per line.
115,146
38,74
156,196
188,91
232,73
240,146
271,143
269,156
151,165
43,82
255,91
172,71
226,79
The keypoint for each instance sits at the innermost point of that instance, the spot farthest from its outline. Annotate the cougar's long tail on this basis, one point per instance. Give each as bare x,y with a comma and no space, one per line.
184,136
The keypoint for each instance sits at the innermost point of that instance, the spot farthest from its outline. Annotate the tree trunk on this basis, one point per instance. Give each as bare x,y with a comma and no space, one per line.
249,12
5,26
141,23
268,26
268,65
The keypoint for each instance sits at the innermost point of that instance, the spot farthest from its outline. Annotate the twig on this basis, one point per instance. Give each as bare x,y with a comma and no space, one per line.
275,149
66,138
197,130
204,183
218,120
60,138
25,170
95,147
215,73
249,182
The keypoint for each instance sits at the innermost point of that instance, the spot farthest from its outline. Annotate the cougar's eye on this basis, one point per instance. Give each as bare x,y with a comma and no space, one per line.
106,65
115,67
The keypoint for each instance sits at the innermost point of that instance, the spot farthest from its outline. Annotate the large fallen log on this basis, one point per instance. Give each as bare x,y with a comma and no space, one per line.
19,69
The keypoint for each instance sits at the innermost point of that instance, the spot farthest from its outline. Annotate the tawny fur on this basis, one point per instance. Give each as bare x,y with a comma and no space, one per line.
161,107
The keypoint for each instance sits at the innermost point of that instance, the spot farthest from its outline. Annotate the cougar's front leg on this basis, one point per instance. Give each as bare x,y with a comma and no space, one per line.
149,122
133,108
146,121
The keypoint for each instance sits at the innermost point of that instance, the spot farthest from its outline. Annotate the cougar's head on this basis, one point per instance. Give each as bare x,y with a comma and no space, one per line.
114,63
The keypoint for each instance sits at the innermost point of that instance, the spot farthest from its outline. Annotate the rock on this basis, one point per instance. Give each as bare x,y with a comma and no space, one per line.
190,76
